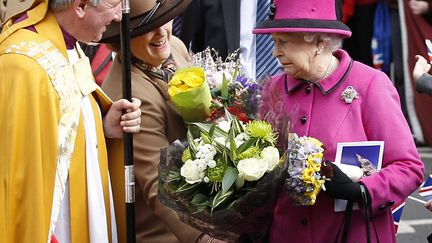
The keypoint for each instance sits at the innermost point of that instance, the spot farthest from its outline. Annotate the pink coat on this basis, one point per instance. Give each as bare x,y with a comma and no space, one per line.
317,110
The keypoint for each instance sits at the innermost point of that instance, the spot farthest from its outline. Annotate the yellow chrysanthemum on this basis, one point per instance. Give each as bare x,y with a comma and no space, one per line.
262,130
185,80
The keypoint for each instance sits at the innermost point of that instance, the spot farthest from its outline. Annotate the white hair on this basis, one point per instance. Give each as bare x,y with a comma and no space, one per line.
60,5
332,42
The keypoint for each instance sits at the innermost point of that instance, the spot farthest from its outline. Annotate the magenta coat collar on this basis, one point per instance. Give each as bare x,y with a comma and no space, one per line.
328,84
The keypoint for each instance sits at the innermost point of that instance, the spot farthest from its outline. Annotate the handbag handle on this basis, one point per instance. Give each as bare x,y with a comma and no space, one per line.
348,213
367,207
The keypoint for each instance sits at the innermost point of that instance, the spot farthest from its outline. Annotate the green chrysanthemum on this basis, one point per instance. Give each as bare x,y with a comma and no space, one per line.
216,174
249,153
186,155
261,130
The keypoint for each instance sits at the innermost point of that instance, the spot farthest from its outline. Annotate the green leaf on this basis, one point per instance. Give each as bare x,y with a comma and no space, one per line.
229,116
238,126
221,147
225,158
200,199
200,209
232,204
236,72
212,130
192,146
229,178
224,89
205,138
235,123
233,147
207,126
186,187
173,176
220,198
201,202
244,146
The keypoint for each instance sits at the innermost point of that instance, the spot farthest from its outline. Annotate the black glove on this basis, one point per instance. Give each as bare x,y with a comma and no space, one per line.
342,187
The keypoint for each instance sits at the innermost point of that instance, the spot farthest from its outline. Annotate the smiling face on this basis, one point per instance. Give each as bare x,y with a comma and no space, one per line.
295,54
96,18
153,47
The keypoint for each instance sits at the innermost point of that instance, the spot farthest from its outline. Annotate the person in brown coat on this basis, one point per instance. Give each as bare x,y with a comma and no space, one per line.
156,54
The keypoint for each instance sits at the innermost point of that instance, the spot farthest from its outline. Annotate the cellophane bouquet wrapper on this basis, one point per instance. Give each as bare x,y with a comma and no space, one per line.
190,94
246,221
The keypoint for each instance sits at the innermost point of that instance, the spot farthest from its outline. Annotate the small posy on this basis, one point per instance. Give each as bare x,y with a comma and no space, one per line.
306,169
349,94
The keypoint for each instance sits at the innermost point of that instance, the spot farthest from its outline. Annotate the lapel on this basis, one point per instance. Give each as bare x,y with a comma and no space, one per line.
231,18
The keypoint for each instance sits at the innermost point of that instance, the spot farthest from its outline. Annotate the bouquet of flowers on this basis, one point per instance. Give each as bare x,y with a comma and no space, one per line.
229,89
223,182
190,93
306,170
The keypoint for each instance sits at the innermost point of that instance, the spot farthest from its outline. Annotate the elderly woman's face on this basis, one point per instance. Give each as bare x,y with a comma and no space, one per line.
153,47
294,53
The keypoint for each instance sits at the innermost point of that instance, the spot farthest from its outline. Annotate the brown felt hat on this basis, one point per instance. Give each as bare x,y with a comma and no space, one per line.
145,16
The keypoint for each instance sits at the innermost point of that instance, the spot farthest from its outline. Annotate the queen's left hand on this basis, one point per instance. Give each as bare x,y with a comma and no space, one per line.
341,186
115,122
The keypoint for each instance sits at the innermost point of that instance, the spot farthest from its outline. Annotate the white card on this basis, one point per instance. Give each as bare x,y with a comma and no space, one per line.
367,153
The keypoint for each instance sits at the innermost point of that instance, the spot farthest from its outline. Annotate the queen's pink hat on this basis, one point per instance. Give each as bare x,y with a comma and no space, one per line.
319,16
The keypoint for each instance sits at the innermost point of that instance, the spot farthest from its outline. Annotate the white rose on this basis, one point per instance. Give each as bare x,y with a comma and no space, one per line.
251,169
271,156
192,172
